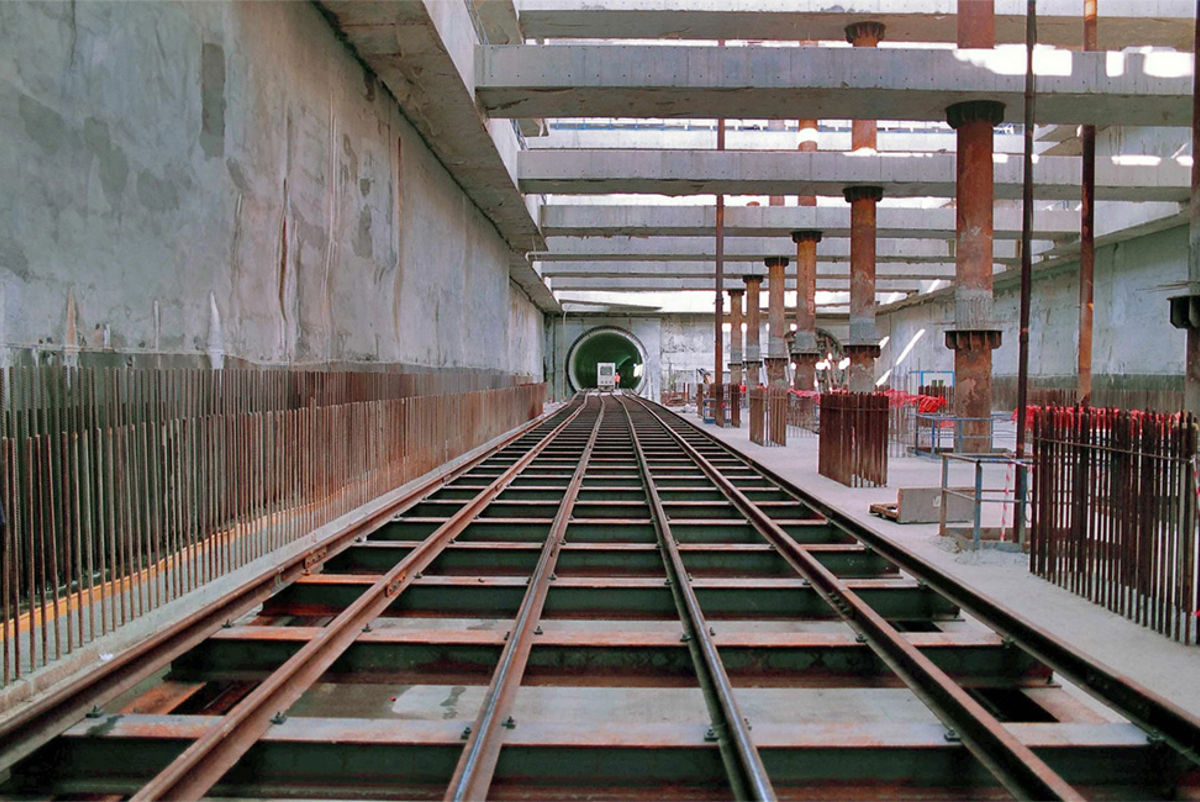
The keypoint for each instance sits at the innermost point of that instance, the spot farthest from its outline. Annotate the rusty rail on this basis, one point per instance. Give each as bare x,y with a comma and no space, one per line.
1114,512
193,773
747,775
1012,763
476,765
640,717
853,444
125,489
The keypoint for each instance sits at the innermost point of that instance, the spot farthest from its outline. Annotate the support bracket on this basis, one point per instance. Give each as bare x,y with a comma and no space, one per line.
972,339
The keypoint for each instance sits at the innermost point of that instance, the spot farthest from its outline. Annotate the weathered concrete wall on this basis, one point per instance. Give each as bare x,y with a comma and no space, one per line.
226,176
1134,345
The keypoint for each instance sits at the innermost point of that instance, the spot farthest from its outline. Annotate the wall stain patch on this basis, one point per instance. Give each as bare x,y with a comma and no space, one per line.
43,125
212,100
156,193
363,246
112,164
13,258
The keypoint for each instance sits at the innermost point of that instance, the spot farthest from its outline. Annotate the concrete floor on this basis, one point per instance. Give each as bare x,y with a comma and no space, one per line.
1162,665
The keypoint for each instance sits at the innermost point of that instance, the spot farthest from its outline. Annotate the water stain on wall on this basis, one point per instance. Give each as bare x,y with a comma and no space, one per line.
212,100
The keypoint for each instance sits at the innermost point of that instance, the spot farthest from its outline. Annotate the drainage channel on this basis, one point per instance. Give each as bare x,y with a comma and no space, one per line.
611,606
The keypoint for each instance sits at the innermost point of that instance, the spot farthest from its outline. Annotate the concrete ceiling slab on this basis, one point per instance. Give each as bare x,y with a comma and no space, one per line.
1164,23
1101,88
753,249
599,220
910,175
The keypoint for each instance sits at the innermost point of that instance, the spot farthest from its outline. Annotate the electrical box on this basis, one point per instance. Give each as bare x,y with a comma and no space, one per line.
606,375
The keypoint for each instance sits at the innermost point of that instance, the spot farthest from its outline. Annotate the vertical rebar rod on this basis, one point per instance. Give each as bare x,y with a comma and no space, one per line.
1087,219
1026,268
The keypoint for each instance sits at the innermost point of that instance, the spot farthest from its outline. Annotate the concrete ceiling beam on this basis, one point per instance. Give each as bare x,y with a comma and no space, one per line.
672,283
915,175
655,81
1164,23
705,270
754,249
597,220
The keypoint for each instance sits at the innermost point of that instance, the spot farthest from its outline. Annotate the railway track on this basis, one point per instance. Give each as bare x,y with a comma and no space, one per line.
610,605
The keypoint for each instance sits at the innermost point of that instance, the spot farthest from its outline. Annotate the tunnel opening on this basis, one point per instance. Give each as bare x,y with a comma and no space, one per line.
606,345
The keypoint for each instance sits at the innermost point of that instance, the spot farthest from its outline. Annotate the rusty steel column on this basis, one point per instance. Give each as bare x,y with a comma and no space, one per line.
719,283
805,352
864,34
777,349
735,335
775,125
752,356
1087,228
976,23
974,335
862,347
808,144
1185,309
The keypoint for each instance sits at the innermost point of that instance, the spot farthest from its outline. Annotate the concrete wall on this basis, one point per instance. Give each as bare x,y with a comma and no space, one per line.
1134,345
226,176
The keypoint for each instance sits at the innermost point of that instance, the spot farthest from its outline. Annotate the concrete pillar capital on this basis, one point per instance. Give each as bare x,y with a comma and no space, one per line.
989,111
754,280
868,33
776,261
736,290
806,236
863,193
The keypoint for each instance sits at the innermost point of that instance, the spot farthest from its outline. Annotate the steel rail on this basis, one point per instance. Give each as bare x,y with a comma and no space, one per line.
1156,715
477,764
1014,765
747,775
37,722
190,775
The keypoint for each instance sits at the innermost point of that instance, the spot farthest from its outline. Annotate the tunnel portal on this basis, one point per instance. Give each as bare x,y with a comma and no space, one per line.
606,345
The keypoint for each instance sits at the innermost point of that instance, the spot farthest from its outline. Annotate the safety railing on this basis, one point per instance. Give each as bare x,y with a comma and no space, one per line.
124,489
1114,512
936,433
852,446
979,495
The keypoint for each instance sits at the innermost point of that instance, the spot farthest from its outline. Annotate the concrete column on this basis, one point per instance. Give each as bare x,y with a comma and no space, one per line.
805,352
974,335
976,23
752,357
864,34
863,344
777,350
735,335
